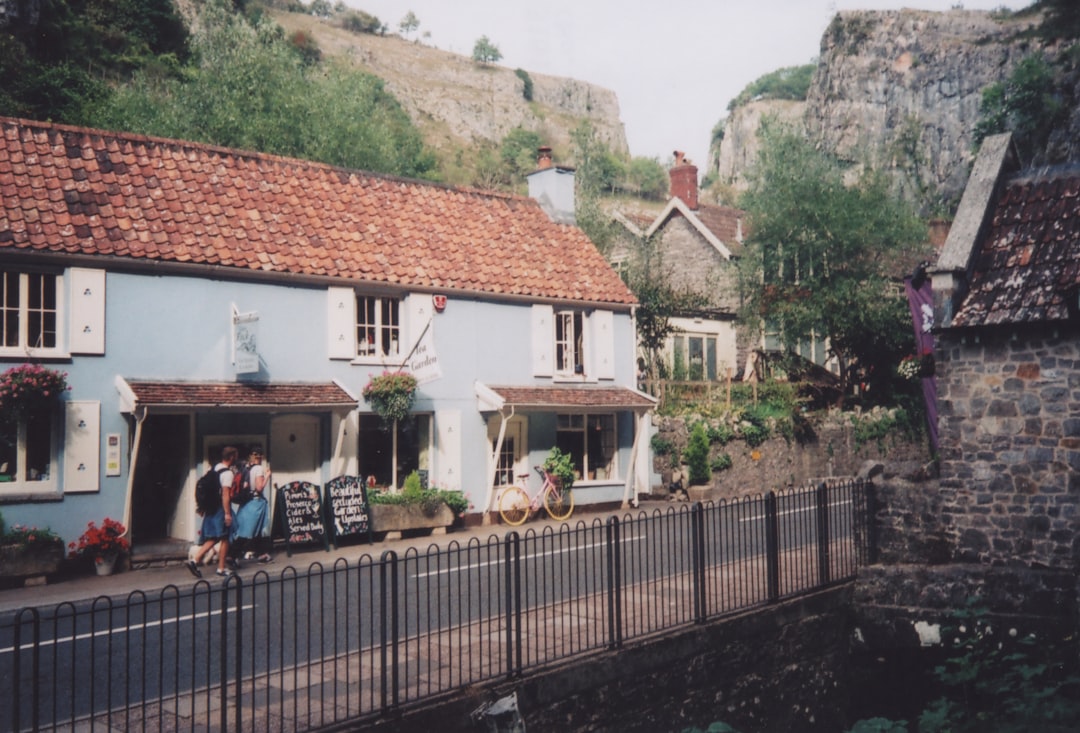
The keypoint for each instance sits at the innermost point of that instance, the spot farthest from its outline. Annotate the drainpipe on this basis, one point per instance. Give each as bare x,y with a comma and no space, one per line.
495,464
140,417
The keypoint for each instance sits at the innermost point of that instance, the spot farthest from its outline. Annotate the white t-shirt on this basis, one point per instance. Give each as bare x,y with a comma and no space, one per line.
255,473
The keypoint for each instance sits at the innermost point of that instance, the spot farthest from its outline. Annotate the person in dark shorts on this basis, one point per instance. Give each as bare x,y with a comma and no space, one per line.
216,527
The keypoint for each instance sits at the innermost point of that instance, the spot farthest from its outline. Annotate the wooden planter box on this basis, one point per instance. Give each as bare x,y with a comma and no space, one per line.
18,562
404,517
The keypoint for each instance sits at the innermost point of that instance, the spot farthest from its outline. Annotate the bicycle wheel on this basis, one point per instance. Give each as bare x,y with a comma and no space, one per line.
513,506
559,504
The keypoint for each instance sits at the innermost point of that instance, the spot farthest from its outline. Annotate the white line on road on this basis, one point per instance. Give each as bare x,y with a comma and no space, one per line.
106,632
549,553
759,517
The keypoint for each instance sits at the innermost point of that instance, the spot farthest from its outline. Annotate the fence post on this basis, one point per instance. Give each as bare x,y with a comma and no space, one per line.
388,647
697,559
824,569
614,573
512,572
772,545
18,676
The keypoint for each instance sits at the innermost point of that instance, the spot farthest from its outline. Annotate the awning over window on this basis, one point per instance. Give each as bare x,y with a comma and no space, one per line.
562,397
136,393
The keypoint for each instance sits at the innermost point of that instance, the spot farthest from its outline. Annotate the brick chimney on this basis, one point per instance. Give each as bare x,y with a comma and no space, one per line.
553,187
684,180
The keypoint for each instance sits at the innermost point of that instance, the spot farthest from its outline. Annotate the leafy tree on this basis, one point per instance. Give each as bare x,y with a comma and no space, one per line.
1026,103
409,24
1061,19
251,90
647,178
485,52
321,8
590,155
518,153
816,262
696,456
357,21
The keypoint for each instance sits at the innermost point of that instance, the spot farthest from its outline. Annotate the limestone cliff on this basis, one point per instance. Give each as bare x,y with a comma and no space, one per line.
457,102
898,90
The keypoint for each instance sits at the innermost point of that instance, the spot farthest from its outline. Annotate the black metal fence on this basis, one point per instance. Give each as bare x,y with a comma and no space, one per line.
352,642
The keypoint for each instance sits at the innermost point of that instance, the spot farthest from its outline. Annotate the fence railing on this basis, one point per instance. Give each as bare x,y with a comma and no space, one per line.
353,642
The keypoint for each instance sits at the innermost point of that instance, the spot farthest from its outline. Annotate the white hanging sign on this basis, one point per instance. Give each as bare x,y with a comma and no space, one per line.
245,342
423,361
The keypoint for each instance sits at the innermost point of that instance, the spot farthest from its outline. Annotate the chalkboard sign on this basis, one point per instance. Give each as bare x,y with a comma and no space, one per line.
347,508
300,515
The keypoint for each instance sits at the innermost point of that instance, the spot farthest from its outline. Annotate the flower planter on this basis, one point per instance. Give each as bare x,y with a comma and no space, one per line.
404,517
106,564
23,561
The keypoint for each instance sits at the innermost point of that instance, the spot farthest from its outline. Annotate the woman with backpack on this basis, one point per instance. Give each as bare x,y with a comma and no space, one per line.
249,538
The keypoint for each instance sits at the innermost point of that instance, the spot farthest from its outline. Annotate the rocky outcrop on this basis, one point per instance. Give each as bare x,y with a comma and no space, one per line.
899,90
456,101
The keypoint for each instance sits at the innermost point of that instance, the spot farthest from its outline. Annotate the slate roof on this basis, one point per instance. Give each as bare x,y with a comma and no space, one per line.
723,222
239,394
1026,267
80,191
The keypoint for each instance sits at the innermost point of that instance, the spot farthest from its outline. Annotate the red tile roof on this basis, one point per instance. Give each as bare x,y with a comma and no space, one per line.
724,223
572,397
80,191
1026,267
239,394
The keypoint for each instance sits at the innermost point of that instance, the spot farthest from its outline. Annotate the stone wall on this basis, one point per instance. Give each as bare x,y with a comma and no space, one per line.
826,449
1010,437
779,668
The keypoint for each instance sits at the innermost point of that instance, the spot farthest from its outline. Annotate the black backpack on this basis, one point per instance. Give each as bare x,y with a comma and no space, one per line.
208,492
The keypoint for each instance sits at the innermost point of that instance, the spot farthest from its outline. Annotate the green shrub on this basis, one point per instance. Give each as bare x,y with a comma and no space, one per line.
413,493
722,462
696,456
721,434
661,446
755,428
527,92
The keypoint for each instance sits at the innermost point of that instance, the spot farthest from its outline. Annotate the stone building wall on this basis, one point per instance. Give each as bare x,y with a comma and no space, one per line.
699,266
1010,435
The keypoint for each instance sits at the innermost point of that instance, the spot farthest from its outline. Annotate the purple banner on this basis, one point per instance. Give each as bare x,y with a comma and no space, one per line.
921,304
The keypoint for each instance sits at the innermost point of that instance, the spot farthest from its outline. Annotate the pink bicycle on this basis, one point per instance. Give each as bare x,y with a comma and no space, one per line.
515,503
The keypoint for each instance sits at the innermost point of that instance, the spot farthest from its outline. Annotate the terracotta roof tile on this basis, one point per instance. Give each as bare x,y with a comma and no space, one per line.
1025,266
239,394
261,212
573,397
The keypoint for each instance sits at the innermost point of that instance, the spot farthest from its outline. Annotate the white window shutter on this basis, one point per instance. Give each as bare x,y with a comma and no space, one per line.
82,446
87,308
341,323
543,340
418,312
601,333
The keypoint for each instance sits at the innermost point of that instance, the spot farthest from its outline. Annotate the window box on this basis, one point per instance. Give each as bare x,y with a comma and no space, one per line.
405,517
23,560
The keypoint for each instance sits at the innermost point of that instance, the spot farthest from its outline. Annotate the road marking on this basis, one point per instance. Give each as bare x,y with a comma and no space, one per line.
759,517
549,553
126,629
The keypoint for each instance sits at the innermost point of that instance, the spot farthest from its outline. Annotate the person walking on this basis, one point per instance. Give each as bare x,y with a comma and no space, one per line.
250,537
216,525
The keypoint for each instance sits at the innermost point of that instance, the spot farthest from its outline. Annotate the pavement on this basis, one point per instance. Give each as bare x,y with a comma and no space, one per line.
150,580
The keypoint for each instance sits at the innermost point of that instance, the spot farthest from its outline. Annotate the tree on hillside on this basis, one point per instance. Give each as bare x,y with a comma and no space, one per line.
591,178
409,24
1028,104
817,260
251,90
485,52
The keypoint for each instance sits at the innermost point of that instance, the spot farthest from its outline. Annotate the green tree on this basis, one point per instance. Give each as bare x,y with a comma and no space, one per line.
409,24
816,262
696,456
646,178
1027,104
251,90
485,52
591,178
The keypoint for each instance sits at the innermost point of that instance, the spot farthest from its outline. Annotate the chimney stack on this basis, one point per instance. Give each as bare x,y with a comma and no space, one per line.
684,183
553,187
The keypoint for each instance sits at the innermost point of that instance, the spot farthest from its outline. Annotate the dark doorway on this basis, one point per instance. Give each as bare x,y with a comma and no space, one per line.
162,468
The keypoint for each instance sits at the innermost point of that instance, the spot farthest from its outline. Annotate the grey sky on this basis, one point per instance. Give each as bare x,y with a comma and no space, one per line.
674,65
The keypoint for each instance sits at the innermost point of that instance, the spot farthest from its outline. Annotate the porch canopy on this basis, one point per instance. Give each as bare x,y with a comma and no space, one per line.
144,395
561,397
508,400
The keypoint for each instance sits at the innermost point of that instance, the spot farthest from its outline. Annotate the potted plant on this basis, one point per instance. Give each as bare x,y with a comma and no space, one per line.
391,395
27,389
415,507
27,552
561,466
102,545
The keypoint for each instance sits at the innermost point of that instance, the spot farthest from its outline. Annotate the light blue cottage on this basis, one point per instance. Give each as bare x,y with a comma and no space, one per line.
199,297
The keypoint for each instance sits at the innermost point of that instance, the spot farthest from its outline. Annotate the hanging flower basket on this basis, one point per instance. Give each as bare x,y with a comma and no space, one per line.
391,395
29,389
